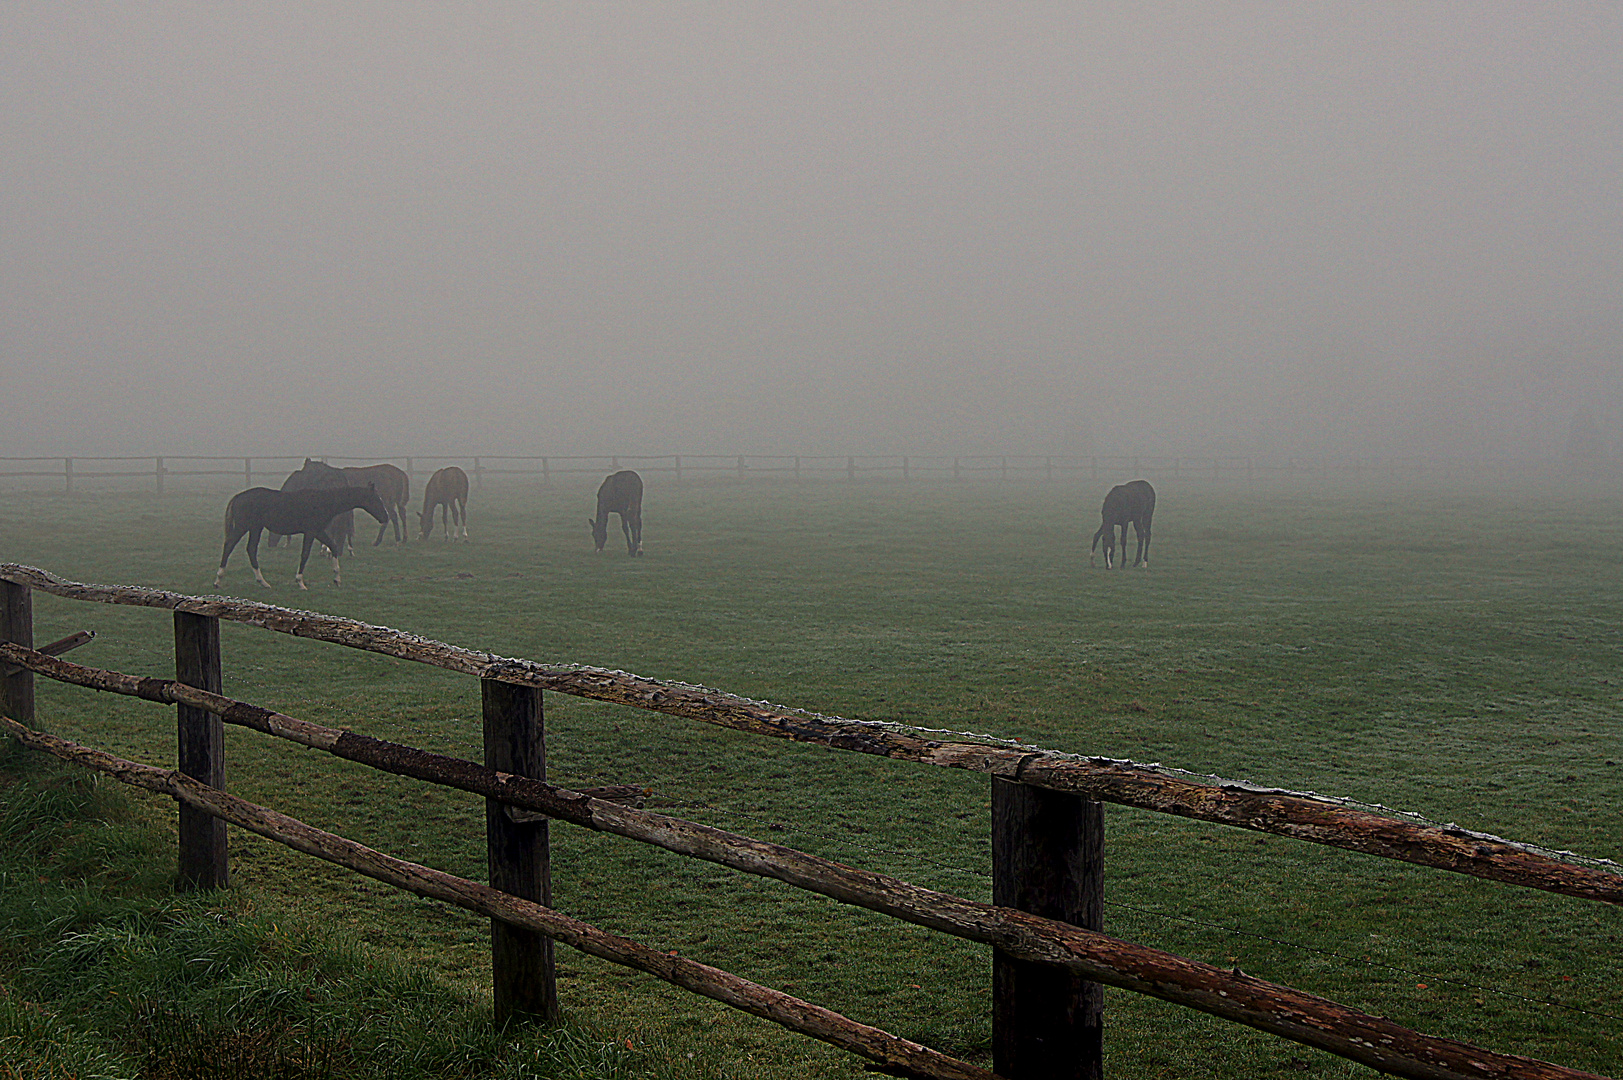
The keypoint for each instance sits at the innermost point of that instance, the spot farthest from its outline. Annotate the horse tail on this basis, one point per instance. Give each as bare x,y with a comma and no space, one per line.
1096,537
230,511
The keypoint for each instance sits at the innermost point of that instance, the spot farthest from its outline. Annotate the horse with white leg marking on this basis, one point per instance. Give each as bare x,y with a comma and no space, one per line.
620,494
287,512
393,485
447,488
1130,503
318,474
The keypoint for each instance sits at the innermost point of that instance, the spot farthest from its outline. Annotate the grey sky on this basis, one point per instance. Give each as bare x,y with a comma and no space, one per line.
809,228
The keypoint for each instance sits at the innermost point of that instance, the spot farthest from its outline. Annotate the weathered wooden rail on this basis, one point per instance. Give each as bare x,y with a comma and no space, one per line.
1048,968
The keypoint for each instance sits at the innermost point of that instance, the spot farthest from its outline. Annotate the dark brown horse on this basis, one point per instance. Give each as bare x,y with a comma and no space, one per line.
314,475
620,494
394,487
1130,503
447,488
288,512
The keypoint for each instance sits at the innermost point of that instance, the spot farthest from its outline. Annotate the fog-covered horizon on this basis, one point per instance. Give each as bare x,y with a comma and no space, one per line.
1253,228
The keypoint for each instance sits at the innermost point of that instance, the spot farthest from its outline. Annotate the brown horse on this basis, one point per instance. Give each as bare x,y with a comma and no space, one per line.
1130,503
394,487
312,475
447,488
287,512
620,494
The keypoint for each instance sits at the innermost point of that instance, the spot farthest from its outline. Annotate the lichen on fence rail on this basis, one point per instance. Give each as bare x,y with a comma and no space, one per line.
1303,817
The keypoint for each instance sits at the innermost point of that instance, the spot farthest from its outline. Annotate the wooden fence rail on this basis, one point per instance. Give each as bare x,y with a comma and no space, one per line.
1320,821
1093,468
889,1050
1029,948
1040,943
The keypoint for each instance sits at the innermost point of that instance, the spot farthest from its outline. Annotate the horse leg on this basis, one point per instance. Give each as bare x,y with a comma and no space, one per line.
625,527
337,578
232,537
636,531
253,557
1144,541
462,516
304,557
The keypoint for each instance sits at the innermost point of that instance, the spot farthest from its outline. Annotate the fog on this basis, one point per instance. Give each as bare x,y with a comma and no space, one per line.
811,228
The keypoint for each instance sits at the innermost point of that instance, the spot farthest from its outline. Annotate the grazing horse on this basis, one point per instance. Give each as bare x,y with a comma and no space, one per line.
393,485
1134,503
288,512
318,474
447,488
620,494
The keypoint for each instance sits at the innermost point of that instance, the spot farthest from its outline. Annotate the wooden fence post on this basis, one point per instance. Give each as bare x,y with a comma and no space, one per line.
247,472
204,863
157,472
678,477
1048,859
522,965
17,625
67,476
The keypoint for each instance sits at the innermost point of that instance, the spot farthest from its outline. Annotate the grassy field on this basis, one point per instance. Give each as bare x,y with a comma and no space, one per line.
1456,653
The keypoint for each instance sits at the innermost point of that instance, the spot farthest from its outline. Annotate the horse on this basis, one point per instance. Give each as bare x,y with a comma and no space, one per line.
447,488
620,494
393,485
1130,503
318,474
287,512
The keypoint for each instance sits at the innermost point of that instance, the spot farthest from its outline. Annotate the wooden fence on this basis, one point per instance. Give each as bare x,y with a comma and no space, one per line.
68,472
1047,846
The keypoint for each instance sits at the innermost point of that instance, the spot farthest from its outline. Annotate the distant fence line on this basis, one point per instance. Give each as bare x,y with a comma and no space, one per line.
1095,468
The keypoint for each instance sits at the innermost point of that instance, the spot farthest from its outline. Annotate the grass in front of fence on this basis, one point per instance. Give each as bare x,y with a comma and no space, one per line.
106,973
1454,652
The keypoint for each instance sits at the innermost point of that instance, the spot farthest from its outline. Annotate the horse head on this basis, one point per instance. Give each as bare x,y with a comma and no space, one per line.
600,530
373,504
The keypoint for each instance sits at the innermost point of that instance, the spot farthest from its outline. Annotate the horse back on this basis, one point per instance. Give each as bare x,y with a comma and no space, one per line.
391,481
446,485
1132,501
620,493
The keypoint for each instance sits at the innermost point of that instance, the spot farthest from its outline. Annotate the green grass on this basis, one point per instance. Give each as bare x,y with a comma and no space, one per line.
1455,653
